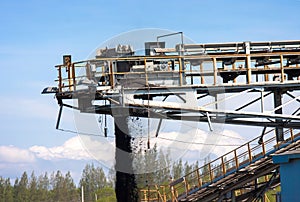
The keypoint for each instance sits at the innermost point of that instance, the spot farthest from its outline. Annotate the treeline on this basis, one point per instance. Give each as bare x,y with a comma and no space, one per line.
153,167
58,187
156,167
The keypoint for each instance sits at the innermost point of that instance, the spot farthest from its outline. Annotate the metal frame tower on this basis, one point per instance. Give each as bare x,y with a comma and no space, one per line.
128,85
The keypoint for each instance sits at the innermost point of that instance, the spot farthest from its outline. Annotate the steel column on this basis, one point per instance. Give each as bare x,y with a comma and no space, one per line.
277,103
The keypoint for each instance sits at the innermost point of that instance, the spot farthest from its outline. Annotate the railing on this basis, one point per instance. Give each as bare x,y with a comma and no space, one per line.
219,168
189,70
156,193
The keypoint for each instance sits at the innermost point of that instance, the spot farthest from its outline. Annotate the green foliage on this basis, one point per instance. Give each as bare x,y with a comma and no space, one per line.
111,178
187,168
92,179
106,194
60,187
152,166
6,190
33,188
39,189
63,187
21,192
43,186
177,169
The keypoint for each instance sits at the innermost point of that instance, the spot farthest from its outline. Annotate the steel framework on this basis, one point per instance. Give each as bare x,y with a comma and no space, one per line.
266,74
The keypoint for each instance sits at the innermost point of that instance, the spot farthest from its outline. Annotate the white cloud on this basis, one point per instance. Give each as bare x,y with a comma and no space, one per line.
70,156
190,146
12,154
101,149
71,149
75,148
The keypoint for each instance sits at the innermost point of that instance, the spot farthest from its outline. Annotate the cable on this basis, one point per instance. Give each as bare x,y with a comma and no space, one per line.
201,143
168,139
185,142
82,133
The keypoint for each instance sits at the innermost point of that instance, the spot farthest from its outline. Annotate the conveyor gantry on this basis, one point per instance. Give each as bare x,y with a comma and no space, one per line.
118,82
262,69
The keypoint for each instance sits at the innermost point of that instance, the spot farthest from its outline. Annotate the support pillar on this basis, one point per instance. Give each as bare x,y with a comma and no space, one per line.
277,103
125,187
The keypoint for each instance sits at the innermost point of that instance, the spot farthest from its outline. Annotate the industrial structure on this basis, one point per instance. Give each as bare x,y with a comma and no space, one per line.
126,84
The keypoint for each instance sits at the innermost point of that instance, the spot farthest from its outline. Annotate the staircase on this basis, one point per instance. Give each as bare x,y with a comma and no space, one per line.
243,174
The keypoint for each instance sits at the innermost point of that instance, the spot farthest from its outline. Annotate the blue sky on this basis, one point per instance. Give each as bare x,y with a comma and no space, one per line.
35,34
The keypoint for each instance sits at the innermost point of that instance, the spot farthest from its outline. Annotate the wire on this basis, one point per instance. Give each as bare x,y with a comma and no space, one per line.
185,142
148,137
82,133
201,143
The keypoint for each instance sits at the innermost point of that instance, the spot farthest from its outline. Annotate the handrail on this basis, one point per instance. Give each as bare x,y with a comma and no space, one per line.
185,72
219,167
220,56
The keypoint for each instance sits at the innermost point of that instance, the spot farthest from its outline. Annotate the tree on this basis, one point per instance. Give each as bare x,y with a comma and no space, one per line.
2,188
196,165
163,168
106,194
21,192
8,191
111,178
70,188
177,169
144,165
187,168
33,184
57,182
63,187
92,179
152,166
205,169
43,187
101,180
